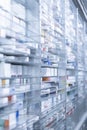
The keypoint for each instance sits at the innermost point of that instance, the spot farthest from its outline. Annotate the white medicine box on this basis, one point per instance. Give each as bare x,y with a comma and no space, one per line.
5,69
10,121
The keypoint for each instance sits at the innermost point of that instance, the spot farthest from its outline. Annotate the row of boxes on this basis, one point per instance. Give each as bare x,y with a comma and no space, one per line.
6,70
49,72
10,121
8,99
7,91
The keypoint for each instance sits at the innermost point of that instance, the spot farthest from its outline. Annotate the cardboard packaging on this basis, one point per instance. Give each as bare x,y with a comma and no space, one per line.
5,69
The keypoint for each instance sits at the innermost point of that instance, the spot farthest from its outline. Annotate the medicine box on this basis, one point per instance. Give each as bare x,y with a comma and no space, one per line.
9,121
5,69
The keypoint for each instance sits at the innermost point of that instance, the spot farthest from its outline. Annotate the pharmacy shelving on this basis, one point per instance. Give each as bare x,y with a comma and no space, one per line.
71,65
76,72
19,65
42,66
15,91
71,69
53,65
81,55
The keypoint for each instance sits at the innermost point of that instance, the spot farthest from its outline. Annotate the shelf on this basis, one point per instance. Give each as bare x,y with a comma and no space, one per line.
6,104
7,111
52,93
48,66
68,68
15,53
71,89
55,81
49,76
22,91
13,77
7,92
14,62
46,97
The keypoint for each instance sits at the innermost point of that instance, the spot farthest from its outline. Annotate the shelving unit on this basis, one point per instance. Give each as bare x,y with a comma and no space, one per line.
81,54
71,66
75,36
71,49
53,65
19,65
43,73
